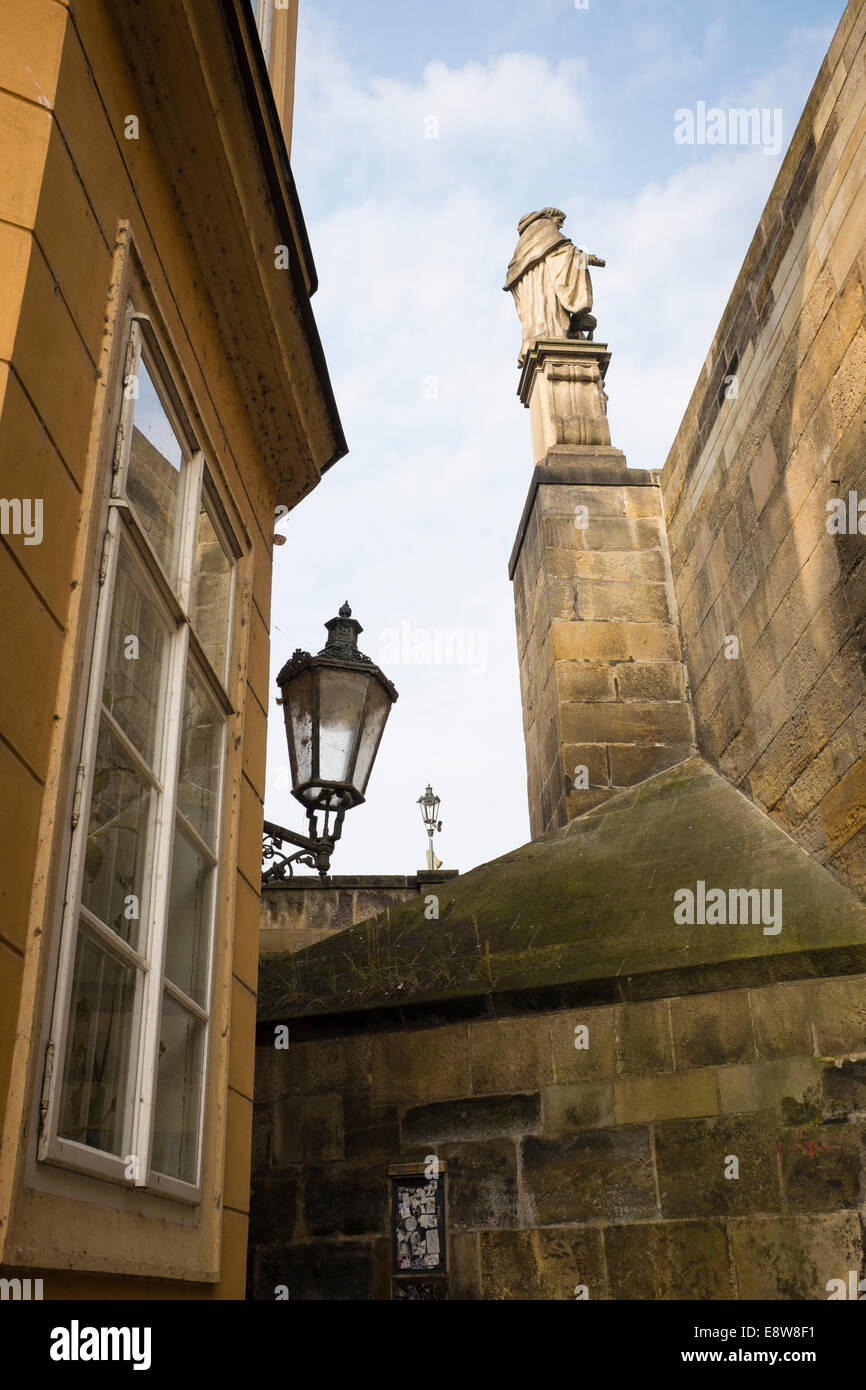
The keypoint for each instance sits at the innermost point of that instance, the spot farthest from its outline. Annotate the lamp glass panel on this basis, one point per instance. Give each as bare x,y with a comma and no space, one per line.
341,701
378,708
298,708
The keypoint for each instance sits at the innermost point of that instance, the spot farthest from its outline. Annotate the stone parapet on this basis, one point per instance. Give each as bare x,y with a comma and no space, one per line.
302,910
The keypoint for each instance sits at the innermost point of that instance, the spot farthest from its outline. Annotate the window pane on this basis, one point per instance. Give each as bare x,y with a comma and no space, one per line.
188,939
378,708
117,851
200,759
211,591
96,1071
178,1092
137,661
341,699
153,482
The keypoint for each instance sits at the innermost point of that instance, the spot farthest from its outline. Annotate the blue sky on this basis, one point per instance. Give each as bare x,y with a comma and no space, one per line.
530,105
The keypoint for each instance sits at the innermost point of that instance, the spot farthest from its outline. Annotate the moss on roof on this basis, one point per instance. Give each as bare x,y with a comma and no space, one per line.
593,901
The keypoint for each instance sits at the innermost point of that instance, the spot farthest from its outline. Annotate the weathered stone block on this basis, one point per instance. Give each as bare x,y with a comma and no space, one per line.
670,1095
780,1015
464,1265
653,642
370,1130
623,533
542,1264
592,756
845,1088
261,1137
674,1260
637,723
473,1118
273,1212
631,602
650,680
595,1029
692,1156
790,1087
585,680
307,1129
313,1272
631,763
843,810
511,1054
821,1167
598,1174
579,802
584,1105
793,1258
838,1011
712,1028
431,1064
618,566
589,641
345,1199
643,1037
312,1068
482,1184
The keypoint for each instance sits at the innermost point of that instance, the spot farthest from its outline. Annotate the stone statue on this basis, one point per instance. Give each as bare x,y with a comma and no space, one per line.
549,279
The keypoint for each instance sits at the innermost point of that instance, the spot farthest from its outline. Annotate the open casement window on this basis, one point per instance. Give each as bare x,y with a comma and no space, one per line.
127,1060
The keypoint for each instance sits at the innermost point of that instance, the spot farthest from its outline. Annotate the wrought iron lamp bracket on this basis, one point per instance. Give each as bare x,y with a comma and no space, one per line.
314,850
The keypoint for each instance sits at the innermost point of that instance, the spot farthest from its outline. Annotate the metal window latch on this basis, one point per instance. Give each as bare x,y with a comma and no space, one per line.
79,790
103,563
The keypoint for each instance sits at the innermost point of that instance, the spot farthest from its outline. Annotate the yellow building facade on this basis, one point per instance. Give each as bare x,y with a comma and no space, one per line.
162,392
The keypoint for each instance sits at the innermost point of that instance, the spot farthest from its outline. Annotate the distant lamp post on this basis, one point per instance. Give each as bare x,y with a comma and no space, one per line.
335,706
429,804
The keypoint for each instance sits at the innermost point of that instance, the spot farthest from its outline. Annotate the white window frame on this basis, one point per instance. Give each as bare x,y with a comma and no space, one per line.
173,601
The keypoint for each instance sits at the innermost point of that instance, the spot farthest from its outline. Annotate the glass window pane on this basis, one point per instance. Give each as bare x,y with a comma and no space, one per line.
117,850
341,699
200,759
153,482
298,711
188,937
178,1093
137,662
211,593
96,1067
378,708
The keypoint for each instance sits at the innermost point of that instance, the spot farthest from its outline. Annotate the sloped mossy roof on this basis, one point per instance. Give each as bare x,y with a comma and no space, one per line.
588,912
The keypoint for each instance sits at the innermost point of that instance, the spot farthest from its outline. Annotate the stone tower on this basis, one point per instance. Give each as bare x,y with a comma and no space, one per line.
603,684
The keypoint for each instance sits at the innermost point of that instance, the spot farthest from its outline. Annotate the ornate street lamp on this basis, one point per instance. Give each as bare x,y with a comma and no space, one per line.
429,804
335,706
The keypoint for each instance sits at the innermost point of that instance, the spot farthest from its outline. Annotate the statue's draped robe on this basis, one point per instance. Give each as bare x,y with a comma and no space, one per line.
549,279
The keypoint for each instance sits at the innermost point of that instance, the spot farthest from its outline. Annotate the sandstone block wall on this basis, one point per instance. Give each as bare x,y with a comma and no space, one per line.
602,680
748,480
602,1167
304,910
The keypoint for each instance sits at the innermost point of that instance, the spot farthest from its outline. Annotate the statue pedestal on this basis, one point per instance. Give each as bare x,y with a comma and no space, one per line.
562,384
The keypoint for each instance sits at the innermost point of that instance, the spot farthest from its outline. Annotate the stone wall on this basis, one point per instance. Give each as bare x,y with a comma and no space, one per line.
775,430
600,1169
603,689
303,910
